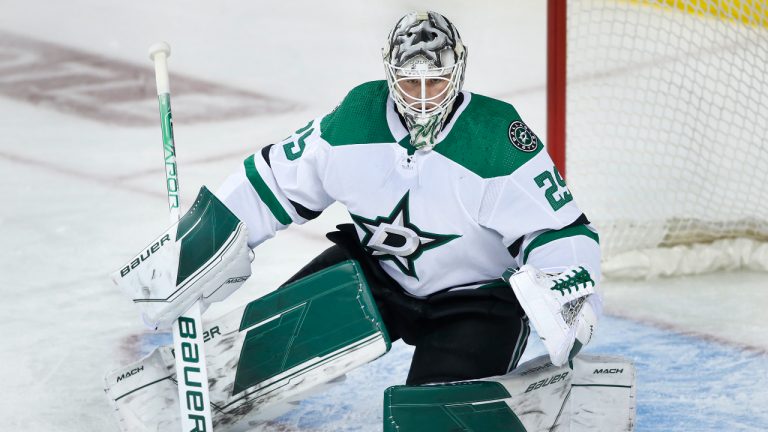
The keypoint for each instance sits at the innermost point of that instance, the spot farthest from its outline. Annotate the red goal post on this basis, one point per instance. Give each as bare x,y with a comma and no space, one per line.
556,74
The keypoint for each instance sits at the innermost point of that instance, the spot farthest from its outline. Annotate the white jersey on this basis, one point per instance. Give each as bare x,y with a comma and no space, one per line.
486,198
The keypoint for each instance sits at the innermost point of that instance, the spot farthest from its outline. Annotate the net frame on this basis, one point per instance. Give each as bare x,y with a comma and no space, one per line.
697,217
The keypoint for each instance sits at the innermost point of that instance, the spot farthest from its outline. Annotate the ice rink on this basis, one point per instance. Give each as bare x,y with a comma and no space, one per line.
81,163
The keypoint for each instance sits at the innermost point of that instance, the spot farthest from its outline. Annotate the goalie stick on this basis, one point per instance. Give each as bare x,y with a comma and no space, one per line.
191,372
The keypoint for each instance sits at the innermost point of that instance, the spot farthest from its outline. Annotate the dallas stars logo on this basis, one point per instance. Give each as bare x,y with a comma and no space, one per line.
395,238
522,137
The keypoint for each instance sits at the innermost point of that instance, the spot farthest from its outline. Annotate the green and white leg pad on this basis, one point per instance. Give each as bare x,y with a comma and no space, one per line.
598,394
261,357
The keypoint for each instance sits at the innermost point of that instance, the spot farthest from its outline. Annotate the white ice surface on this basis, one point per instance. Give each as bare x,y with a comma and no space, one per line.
80,197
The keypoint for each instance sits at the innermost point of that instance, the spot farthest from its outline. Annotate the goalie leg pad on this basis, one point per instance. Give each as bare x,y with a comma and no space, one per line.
598,394
271,352
465,406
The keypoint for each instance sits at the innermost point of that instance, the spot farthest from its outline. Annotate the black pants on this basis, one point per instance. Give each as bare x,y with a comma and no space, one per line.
458,335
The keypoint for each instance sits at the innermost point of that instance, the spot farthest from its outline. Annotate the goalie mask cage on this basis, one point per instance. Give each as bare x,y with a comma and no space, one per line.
658,116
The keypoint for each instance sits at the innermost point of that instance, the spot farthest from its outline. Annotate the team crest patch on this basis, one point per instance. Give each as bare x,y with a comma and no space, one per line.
522,137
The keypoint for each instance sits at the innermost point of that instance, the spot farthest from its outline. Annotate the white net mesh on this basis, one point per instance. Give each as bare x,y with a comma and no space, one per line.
570,311
667,120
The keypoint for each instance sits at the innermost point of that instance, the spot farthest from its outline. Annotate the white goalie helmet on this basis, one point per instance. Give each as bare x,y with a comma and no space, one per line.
424,60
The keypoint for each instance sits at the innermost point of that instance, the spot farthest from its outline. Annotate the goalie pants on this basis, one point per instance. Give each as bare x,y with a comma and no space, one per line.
457,335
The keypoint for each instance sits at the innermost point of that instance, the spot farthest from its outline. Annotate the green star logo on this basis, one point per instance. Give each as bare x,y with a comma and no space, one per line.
395,238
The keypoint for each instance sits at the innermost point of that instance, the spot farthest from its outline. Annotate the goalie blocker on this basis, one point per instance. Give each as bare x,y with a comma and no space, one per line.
205,256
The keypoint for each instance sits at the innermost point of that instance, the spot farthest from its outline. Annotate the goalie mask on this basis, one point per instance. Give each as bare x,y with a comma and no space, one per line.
424,61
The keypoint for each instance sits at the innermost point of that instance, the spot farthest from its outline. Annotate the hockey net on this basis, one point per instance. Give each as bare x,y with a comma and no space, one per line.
667,131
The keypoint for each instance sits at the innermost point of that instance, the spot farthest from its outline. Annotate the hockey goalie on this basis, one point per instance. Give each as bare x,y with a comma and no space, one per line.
464,236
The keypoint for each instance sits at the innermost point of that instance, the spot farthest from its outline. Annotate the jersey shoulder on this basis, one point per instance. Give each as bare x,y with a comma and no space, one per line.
490,139
360,118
